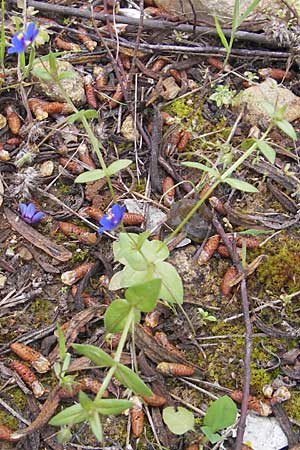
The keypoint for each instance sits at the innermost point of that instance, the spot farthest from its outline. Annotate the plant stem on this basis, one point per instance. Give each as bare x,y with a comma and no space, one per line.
118,354
95,145
222,179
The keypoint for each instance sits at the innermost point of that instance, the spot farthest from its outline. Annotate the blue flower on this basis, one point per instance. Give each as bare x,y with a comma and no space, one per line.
20,41
31,33
18,44
112,218
30,214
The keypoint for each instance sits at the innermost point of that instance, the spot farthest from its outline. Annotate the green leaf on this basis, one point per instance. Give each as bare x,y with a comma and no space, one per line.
74,117
64,435
155,251
141,238
221,35
287,128
240,185
179,420
248,11
42,74
269,108
247,143
126,251
66,74
95,354
117,166
171,288
196,165
52,64
90,114
220,414
96,426
86,403
212,437
268,152
116,315
91,175
144,296
129,277
69,416
61,343
131,380
254,232
111,406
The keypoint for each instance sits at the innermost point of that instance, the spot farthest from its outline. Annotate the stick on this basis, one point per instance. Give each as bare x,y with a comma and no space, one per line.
148,23
248,335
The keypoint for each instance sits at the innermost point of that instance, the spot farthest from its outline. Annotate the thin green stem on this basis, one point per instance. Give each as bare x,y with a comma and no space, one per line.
95,145
118,354
223,177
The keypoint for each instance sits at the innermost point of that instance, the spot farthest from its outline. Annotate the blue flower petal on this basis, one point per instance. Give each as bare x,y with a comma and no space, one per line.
23,209
31,210
18,44
106,223
37,217
117,212
31,32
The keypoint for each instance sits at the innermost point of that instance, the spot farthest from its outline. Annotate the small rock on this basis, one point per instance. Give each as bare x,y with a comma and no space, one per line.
171,89
197,227
128,130
264,433
154,216
3,280
25,254
254,97
73,85
46,168
3,121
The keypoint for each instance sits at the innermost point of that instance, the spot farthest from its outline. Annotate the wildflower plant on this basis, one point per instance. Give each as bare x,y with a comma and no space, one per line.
146,277
30,214
111,219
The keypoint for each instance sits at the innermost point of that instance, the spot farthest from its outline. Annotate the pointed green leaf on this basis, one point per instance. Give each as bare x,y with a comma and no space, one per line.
220,414
200,166
117,166
179,420
144,296
240,185
90,114
268,152
287,128
42,74
171,288
269,108
74,117
66,74
116,316
91,175
131,380
69,416
85,401
96,426
248,11
221,35
111,406
95,354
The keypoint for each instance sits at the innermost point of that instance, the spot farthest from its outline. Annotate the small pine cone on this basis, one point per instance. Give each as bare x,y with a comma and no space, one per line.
209,249
177,370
